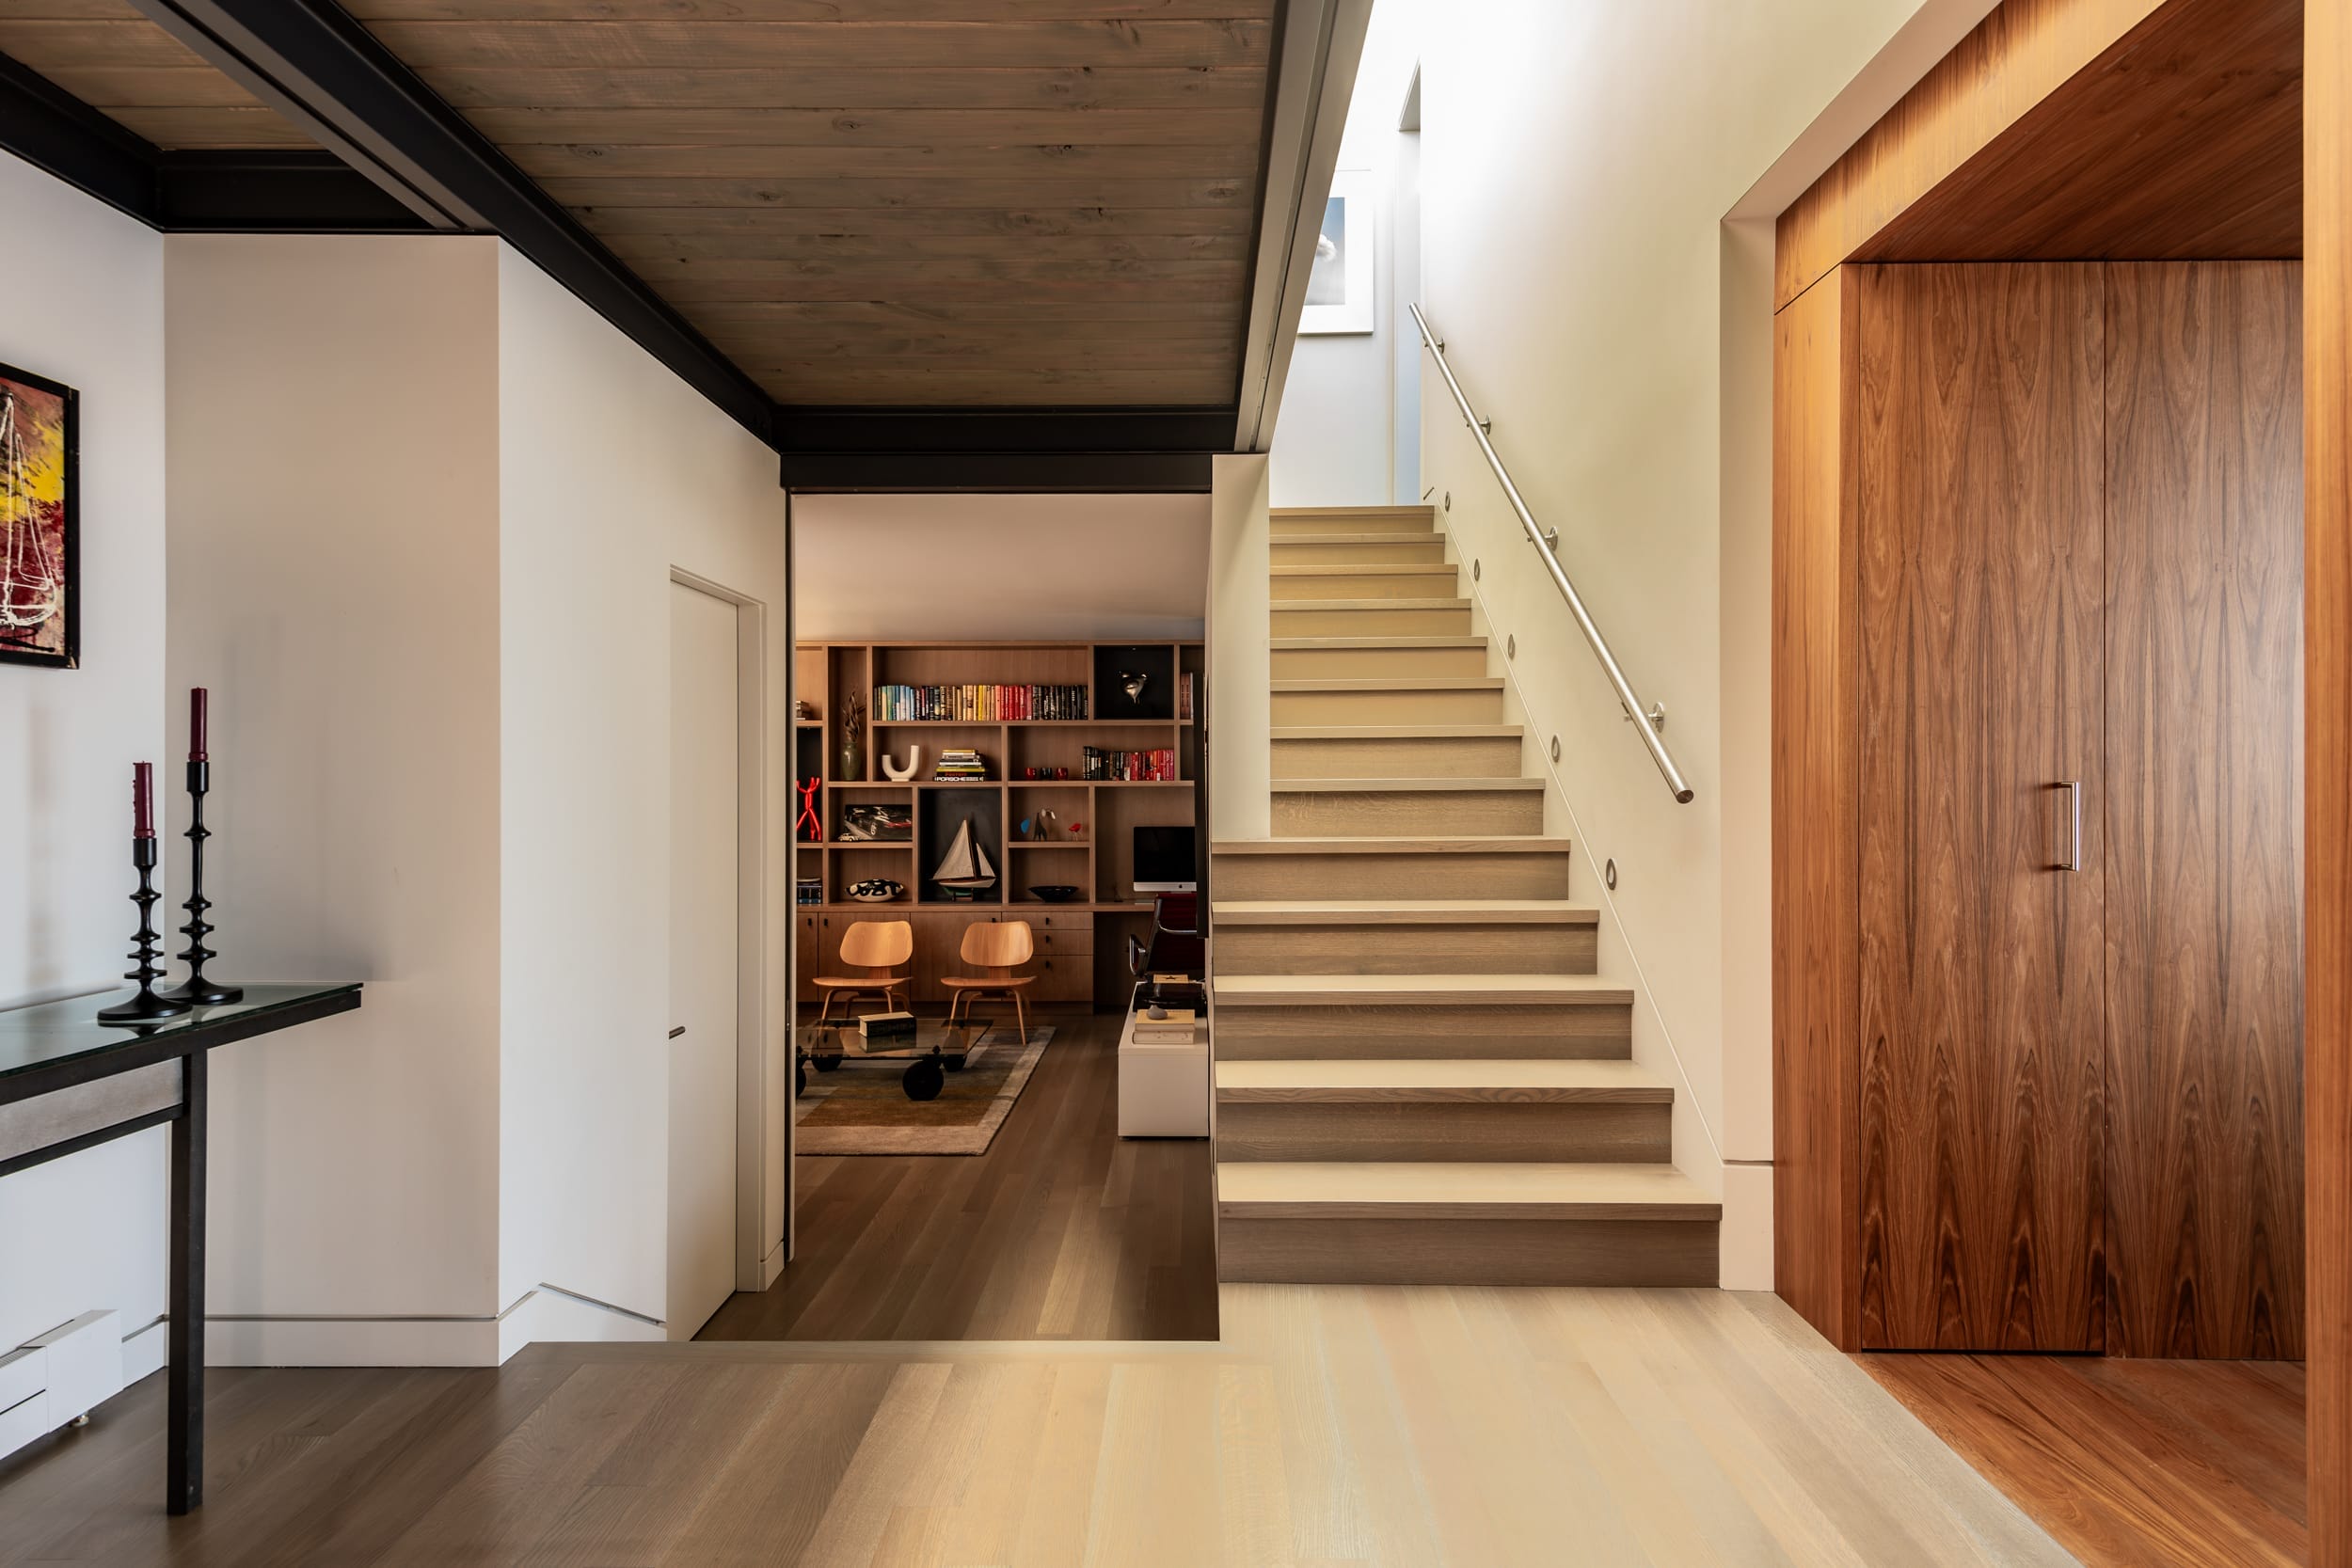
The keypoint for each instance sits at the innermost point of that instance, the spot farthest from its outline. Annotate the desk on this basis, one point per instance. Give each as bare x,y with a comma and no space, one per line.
69,1083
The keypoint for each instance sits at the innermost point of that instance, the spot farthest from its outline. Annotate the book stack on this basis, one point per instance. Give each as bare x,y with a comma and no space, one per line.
960,763
1131,767
879,1028
1177,1028
1184,697
978,704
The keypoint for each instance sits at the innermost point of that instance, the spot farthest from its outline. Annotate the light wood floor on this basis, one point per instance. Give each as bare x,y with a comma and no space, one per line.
1062,1230
2129,1463
1334,1425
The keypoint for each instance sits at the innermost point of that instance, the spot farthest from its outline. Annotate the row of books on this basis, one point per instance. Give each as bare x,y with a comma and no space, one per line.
959,761
979,704
1131,766
1184,697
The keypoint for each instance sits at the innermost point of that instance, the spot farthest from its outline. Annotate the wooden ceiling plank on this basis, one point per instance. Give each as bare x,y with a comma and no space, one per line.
617,161
793,11
680,287
44,46
213,130
107,88
911,317
895,222
1220,127
868,248
850,88
75,10
944,194
430,46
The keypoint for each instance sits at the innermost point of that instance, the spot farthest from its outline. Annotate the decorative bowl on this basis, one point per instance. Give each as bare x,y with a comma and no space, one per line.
876,890
1054,892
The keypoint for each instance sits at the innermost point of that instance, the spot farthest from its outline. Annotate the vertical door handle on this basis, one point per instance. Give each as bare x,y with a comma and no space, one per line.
2074,861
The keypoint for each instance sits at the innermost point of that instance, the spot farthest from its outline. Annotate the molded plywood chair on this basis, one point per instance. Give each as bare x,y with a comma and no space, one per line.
877,947
996,946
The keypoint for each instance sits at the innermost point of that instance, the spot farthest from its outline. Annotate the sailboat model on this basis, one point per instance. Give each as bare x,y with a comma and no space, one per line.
964,871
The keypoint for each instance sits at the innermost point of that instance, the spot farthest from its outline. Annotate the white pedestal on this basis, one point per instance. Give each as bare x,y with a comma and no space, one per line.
1163,1089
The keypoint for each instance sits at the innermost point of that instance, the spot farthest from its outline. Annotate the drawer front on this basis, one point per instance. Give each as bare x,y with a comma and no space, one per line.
1069,978
1050,943
1044,917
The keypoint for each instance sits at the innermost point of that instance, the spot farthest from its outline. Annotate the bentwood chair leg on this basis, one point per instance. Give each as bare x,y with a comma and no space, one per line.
1022,1014
825,1013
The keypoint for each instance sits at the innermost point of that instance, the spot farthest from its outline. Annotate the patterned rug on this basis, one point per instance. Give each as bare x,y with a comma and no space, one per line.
861,1109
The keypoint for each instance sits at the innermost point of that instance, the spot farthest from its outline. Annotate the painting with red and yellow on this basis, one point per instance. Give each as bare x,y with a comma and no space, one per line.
38,520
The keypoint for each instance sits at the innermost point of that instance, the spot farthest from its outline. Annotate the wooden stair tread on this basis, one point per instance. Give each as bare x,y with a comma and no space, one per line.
1342,644
1373,990
1397,732
1355,786
1428,512
1463,1190
1366,569
1515,1081
1425,844
1403,911
1379,539
1294,606
1393,683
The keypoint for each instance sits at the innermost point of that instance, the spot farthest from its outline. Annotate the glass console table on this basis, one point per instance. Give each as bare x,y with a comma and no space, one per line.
69,1083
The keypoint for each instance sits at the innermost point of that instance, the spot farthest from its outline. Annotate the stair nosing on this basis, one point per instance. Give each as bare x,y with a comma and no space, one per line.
1675,1197
1398,732
1403,911
1402,641
1456,990
1520,785
1390,683
1397,843
1369,541
1465,1081
1283,605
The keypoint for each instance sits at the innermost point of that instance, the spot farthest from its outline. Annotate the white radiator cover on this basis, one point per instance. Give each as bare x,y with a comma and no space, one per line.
63,1374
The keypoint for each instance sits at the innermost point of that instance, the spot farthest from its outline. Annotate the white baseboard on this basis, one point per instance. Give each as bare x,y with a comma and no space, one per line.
548,1313
772,1265
144,1352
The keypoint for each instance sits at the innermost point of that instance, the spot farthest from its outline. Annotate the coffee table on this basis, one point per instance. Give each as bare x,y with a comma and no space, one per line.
937,1050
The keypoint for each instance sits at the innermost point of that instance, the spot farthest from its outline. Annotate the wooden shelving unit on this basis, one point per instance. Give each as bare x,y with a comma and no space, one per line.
1097,861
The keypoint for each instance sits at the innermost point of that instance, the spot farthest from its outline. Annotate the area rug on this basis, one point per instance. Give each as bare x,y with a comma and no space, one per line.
861,1109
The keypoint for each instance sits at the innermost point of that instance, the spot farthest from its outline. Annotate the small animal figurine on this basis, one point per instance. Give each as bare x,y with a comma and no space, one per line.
809,826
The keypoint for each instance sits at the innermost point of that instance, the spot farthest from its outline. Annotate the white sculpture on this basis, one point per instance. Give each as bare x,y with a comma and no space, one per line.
900,775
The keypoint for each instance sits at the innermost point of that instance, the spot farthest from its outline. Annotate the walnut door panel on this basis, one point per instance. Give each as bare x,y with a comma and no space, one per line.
2203,811
1975,458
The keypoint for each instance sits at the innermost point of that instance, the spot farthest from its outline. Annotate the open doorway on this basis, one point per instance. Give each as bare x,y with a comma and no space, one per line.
997,761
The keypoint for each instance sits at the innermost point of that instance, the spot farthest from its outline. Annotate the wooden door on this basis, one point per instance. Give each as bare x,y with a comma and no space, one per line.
2202,809
1976,457
704,862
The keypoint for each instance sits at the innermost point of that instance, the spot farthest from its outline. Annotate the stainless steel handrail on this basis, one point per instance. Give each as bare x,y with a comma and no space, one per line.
1645,720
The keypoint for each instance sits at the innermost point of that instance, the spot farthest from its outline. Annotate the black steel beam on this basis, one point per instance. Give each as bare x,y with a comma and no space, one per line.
60,135
275,192
310,59
1008,472
1015,449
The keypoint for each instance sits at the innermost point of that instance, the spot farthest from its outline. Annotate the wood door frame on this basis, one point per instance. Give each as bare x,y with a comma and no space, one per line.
751,927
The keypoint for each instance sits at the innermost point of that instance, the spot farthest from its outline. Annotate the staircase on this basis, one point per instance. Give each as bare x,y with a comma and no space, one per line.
1420,1077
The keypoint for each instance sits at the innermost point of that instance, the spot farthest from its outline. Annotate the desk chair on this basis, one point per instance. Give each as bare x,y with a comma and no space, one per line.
996,946
877,947
1176,947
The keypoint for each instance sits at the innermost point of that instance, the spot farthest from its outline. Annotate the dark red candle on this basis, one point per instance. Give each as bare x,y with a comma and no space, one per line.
142,799
199,702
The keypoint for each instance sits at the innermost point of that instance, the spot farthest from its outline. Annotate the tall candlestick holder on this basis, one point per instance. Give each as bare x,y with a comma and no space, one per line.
145,1007
198,990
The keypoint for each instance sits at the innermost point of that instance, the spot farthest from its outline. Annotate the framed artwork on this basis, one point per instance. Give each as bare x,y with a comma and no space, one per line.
1340,287
39,521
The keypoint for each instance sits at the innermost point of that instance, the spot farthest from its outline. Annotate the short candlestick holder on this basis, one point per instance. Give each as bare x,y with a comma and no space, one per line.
145,1007
198,991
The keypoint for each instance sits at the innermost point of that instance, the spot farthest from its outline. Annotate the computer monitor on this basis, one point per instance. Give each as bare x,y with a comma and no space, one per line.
1164,861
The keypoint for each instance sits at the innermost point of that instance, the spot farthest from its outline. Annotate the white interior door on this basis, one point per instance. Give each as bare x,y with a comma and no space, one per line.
704,861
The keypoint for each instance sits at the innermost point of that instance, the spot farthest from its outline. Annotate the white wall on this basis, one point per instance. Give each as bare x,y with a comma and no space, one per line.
1577,164
612,472
1071,568
1241,664
335,577
1335,440
84,304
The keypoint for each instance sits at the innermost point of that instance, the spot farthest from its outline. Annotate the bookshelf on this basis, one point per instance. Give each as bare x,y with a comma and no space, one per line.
1098,860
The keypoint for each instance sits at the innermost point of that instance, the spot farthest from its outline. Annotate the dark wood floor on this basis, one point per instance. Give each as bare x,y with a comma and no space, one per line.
2129,1463
1062,1230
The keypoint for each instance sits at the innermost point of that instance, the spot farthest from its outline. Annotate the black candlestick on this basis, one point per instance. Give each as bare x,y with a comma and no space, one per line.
146,1007
198,991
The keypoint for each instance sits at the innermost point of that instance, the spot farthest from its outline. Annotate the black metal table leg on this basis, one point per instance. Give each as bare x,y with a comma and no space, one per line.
184,1487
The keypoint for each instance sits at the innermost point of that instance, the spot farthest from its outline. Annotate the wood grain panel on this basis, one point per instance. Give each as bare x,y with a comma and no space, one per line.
614,160
2328,771
2202,809
1815,1069
964,250
788,11
1039,191
2013,60
721,84
676,45
1233,125
2184,140
1976,463
110,56
883,225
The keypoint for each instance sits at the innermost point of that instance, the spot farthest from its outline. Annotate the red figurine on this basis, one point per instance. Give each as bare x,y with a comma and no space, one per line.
810,828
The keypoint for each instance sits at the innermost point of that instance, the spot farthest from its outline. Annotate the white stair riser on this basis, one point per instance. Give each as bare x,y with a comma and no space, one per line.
1656,1254
1439,582
1444,1130
1409,812
1353,664
1466,873
1400,551
1549,948
1389,705
1496,756
1450,621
